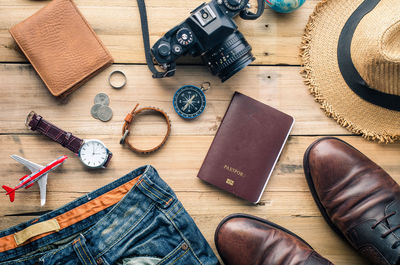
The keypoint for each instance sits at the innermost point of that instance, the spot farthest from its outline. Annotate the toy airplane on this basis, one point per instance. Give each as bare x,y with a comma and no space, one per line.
39,175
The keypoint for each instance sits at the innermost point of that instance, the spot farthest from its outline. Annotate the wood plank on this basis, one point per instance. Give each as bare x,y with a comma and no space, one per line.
286,200
178,162
280,87
180,159
275,38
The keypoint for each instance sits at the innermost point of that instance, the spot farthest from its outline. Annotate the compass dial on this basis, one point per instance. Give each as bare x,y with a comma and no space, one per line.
189,102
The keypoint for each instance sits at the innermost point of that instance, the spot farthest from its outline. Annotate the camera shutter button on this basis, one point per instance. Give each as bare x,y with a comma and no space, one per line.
164,49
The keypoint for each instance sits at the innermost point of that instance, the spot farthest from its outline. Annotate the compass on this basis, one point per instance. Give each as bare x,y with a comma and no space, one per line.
189,101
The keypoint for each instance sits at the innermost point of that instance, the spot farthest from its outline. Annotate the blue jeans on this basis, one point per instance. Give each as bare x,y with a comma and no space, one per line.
136,219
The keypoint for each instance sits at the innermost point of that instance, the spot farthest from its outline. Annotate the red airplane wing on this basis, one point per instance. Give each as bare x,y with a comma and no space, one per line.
30,185
23,177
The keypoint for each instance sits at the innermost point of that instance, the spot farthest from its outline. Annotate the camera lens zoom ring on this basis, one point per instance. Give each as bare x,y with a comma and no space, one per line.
233,40
226,45
219,67
229,56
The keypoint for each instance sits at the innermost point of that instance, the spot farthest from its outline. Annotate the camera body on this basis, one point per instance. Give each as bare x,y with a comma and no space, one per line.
210,32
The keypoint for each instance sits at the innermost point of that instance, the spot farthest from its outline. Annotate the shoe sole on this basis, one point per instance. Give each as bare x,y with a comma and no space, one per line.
257,219
312,187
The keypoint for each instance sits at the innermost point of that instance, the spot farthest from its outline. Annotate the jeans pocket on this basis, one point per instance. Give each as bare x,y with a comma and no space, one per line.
181,255
140,261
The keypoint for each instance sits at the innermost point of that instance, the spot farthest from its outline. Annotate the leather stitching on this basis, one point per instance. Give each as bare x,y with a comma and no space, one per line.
66,139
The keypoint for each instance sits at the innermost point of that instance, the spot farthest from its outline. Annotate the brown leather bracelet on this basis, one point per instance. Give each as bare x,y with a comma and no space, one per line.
128,120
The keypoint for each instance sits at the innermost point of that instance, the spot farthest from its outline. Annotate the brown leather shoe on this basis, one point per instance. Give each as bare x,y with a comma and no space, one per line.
358,199
248,240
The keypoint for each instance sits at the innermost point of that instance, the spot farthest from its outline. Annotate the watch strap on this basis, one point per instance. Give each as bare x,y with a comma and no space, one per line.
36,123
108,159
128,121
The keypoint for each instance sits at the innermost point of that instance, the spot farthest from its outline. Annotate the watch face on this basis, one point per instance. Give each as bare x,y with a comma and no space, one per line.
93,153
189,102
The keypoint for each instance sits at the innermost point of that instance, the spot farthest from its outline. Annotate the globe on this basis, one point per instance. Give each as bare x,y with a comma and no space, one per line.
285,6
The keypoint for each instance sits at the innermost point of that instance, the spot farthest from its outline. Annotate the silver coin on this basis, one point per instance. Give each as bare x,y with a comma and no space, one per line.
95,110
104,113
102,99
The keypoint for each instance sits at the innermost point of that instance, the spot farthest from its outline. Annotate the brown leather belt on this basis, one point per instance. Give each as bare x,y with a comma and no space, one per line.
128,120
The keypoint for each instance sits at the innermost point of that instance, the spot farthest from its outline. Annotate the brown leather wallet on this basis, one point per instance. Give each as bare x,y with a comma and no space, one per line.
61,46
128,120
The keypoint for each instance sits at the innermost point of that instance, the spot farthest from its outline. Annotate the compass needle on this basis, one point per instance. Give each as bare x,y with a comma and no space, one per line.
189,102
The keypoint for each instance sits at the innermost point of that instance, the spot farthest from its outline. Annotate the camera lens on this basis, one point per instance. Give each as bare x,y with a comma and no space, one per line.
229,57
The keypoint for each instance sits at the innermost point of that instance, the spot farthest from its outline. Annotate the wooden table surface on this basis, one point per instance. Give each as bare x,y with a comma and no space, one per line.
273,79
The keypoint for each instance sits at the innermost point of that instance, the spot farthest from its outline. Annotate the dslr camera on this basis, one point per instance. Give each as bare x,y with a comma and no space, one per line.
211,33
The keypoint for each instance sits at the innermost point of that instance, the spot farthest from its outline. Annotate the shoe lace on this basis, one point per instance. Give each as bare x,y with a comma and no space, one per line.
384,235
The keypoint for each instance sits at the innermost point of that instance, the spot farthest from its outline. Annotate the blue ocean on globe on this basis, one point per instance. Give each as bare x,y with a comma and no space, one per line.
285,6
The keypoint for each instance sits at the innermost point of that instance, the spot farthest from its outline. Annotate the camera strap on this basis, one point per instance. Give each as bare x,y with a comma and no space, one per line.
246,14
146,42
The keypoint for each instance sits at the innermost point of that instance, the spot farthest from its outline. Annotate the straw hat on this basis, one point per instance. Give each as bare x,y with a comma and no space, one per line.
351,58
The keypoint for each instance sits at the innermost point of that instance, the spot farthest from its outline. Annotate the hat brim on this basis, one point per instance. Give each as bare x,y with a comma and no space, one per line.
323,77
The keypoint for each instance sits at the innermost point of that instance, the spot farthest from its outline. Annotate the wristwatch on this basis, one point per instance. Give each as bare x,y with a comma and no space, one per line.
92,153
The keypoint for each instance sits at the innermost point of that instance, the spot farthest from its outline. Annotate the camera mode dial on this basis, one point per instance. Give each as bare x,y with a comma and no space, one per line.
184,37
234,4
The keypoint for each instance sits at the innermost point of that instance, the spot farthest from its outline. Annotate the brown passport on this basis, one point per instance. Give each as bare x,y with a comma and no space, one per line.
61,46
246,148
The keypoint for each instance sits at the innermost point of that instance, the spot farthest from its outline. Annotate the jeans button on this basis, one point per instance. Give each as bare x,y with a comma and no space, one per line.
184,246
99,261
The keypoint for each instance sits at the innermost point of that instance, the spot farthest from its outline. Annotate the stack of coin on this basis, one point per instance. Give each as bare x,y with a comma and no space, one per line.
100,109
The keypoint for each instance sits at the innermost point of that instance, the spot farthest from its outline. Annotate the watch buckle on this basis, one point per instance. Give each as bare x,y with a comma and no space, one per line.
29,118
